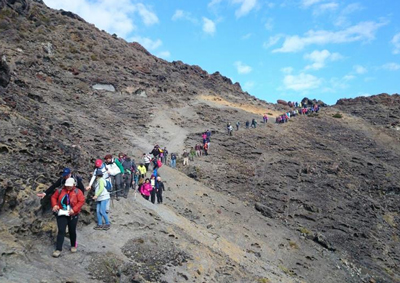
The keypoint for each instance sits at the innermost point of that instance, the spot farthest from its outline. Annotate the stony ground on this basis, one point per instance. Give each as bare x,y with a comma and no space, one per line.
313,200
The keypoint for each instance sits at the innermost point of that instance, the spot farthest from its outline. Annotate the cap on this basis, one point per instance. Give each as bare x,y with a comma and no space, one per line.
98,163
99,172
66,172
69,182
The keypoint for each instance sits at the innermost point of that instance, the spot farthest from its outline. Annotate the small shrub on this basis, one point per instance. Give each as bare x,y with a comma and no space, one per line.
337,115
270,114
293,245
304,231
263,280
389,218
287,270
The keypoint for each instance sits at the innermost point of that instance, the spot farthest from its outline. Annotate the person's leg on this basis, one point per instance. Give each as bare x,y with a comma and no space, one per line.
127,183
118,182
159,196
98,213
62,223
147,166
153,195
103,205
72,223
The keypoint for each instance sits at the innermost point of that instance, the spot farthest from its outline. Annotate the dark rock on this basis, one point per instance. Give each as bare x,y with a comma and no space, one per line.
320,239
282,102
266,211
71,15
5,74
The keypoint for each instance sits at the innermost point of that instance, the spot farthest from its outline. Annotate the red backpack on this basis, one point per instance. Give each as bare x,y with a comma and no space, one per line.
159,163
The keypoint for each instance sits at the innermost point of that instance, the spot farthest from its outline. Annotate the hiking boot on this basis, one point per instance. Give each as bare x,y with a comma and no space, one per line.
56,253
98,227
106,226
74,250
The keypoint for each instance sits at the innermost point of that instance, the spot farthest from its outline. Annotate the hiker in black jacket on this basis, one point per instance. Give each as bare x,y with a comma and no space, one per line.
159,189
67,173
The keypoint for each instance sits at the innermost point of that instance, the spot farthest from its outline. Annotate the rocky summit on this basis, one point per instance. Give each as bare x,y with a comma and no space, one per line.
315,199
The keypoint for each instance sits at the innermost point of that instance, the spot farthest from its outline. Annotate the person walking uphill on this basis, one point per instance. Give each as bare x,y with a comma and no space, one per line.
159,189
146,188
66,173
102,197
115,170
67,203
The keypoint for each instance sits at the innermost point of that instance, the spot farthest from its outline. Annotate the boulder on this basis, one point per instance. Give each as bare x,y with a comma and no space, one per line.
5,74
265,210
282,102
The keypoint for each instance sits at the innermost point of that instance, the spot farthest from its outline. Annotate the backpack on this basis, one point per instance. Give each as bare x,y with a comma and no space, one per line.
128,165
108,185
159,163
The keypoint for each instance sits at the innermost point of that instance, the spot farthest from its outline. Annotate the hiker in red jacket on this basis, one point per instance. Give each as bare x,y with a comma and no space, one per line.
67,203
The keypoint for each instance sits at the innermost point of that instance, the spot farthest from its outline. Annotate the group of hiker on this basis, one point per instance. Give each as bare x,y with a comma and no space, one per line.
248,124
199,149
300,109
111,177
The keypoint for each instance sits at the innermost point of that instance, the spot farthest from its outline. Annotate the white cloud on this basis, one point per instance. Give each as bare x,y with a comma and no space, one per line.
364,31
301,82
391,66
396,43
113,16
307,3
319,58
321,9
343,18
287,70
147,43
242,68
164,54
148,17
245,7
360,69
247,36
269,24
272,41
349,77
248,85
213,3
183,15
208,26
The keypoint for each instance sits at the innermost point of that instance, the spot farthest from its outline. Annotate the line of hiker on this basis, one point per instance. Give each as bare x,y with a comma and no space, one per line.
299,110
112,177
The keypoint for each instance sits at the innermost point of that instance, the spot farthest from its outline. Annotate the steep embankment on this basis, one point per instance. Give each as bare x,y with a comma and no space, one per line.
328,187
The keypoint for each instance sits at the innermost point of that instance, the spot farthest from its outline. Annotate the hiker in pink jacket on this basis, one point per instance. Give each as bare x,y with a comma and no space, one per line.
146,188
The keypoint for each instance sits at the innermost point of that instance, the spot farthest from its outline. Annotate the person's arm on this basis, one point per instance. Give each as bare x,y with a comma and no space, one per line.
81,201
91,181
51,189
54,201
100,190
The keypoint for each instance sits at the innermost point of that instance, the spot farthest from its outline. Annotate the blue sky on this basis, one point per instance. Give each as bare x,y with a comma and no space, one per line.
288,49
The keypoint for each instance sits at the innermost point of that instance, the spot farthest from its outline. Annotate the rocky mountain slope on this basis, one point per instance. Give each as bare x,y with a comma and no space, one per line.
313,200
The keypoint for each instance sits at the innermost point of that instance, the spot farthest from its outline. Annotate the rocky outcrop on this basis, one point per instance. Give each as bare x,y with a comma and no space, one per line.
5,74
